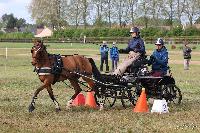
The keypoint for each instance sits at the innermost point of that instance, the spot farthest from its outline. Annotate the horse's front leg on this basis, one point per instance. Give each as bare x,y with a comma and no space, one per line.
77,89
50,91
32,104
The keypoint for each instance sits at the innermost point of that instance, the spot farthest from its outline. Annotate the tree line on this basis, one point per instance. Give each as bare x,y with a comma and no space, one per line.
106,13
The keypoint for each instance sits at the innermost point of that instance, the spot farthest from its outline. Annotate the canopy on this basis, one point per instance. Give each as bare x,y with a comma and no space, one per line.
45,33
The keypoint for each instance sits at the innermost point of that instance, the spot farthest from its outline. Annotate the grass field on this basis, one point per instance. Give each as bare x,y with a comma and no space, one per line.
18,83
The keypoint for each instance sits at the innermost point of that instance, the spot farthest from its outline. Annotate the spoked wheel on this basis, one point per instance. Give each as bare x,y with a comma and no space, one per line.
106,96
137,92
127,99
172,94
110,97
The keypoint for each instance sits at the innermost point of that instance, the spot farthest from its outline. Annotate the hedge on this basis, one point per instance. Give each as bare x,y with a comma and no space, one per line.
150,32
16,35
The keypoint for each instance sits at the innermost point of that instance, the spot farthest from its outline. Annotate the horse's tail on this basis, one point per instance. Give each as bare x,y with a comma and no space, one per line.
95,71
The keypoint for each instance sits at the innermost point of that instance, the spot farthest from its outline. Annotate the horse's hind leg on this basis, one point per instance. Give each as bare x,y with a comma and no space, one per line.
91,84
77,89
32,104
50,91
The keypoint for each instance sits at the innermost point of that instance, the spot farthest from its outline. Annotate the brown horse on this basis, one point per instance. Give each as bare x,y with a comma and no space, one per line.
43,63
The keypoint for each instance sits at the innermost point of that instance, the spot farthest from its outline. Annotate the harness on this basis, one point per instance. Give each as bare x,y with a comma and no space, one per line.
56,68
42,70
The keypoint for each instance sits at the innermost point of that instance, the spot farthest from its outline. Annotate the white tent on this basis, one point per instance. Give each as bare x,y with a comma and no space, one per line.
45,33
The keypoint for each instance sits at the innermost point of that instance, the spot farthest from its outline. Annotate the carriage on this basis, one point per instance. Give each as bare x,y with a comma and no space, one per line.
128,87
108,88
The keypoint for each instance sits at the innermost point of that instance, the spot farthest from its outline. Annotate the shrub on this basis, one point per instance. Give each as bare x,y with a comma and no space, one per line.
192,31
16,35
194,47
177,31
151,31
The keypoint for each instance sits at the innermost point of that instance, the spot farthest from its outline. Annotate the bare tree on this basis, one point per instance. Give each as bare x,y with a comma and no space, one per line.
46,11
84,12
73,12
154,9
132,6
100,7
144,7
108,10
192,10
168,10
120,7
180,9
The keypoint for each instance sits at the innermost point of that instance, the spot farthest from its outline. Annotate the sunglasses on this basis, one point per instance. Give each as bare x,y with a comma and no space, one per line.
158,44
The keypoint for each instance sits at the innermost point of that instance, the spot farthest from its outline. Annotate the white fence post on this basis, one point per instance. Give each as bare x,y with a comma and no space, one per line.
6,52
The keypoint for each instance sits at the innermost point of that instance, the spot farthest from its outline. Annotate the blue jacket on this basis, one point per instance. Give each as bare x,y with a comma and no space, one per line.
114,53
136,44
160,60
104,51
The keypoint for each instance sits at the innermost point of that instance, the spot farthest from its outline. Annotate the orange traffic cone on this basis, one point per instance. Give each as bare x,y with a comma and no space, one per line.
141,105
79,100
90,100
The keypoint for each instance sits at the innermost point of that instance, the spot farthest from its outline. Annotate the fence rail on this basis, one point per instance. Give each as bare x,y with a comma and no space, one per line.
177,40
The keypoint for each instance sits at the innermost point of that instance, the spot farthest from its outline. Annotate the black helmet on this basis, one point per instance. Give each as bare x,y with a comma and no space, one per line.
159,41
134,29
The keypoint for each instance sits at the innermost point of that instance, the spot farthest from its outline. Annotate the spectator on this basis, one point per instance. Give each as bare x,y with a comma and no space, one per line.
114,56
104,56
187,55
159,59
135,49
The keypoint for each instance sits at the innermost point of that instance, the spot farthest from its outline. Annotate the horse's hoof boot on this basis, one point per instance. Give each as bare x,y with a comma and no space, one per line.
58,109
31,108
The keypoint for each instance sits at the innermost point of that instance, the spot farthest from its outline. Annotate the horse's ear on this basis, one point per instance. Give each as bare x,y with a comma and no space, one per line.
34,41
42,42
45,46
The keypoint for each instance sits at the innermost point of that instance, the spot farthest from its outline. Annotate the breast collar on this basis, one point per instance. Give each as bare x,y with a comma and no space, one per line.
43,70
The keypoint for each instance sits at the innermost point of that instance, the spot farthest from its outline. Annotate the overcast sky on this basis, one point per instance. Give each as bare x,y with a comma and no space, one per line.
17,7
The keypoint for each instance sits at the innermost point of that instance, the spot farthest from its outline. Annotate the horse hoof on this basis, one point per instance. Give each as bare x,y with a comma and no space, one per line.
58,109
31,108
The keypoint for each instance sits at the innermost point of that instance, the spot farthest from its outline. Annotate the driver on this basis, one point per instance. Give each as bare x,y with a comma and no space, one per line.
135,49
159,59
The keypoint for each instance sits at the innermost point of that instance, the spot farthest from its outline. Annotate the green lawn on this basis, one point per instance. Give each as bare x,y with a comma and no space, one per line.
18,83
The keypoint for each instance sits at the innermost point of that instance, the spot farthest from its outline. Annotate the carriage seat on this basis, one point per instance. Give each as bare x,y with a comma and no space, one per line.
137,64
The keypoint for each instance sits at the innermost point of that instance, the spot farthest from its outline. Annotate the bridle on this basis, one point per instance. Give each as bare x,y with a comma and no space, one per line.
35,49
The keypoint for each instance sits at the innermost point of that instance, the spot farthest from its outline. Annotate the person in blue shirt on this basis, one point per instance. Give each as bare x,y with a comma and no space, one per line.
104,56
135,49
114,56
159,59
136,44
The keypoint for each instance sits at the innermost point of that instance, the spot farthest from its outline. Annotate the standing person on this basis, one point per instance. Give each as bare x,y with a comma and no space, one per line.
187,55
135,49
104,55
159,59
114,56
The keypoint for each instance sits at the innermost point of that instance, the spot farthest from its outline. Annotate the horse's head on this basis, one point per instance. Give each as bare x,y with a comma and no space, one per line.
37,50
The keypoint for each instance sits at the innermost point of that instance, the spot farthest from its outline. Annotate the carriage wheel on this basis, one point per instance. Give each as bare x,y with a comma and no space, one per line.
111,96
127,99
137,92
108,97
172,94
